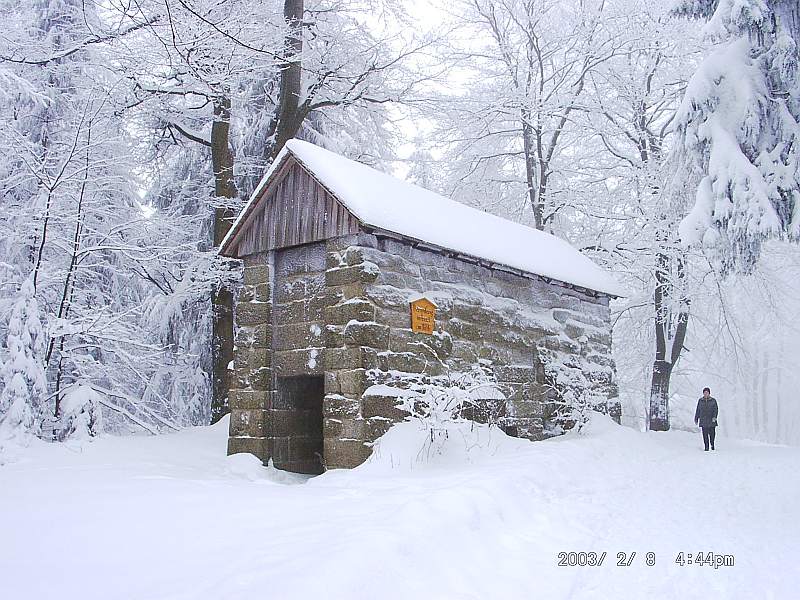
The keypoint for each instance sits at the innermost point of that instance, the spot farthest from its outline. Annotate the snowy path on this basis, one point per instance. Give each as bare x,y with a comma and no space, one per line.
172,518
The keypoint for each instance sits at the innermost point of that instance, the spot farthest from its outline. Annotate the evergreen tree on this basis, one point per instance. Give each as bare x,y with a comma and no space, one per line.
739,129
24,386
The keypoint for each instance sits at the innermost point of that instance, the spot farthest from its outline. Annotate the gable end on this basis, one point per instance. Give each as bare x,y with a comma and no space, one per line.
293,209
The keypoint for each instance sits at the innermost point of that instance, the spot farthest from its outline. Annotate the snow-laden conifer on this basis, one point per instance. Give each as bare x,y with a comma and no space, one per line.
22,373
739,129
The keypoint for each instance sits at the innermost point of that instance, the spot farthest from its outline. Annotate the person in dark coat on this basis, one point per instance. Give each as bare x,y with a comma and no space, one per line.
706,417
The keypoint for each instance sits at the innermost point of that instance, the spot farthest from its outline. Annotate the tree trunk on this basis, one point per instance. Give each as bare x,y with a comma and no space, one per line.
222,159
530,170
663,298
659,396
289,116
287,121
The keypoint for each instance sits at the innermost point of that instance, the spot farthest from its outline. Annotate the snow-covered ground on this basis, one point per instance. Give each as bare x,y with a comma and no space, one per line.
172,517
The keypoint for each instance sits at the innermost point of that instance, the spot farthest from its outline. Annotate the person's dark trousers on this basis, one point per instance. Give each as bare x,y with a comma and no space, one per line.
708,436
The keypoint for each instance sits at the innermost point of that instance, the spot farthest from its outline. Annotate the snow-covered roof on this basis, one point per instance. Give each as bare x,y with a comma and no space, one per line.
385,202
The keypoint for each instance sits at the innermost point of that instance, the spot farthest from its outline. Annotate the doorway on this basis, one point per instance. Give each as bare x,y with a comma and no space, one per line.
297,424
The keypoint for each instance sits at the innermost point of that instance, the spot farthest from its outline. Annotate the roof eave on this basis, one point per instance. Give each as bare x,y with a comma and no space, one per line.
483,261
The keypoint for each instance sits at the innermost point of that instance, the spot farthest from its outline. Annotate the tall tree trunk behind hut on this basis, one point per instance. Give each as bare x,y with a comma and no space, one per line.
290,115
288,119
222,159
670,326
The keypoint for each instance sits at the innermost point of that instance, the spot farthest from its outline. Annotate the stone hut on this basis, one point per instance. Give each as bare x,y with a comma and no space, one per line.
338,257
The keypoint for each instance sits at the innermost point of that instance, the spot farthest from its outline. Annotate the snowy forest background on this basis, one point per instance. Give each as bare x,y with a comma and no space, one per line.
661,141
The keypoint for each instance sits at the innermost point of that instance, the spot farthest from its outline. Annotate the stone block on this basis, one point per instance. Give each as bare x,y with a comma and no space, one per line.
247,293
260,379
388,296
465,351
373,359
262,292
303,288
254,446
560,344
574,330
240,380
336,406
599,337
515,373
465,330
357,333
254,260
365,272
353,382
248,399
535,391
332,428
322,300
396,247
350,429
353,256
259,336
509,278
333,336
568,300
300,260
530,428
524,409
337,359
345,453
391,262
436,347
562,315
342,243
296,336
335,259
257,274
494,354
386,407
442,274
371,429
253,313
407,281
486,410
248,358
307,361
290,312
604,360
332,383
397,319
247,423
409,362
353,310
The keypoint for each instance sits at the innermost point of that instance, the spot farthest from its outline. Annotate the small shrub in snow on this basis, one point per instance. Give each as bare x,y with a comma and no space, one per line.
81,415
448,400
571,409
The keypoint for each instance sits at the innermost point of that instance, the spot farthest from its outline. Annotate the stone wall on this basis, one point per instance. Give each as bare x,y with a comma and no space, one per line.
534,336
340,309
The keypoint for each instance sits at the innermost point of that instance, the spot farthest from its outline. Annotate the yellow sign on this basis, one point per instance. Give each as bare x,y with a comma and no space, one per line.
423,316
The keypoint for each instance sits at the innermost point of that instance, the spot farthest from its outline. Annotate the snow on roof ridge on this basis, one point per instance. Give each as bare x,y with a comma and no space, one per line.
391,204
